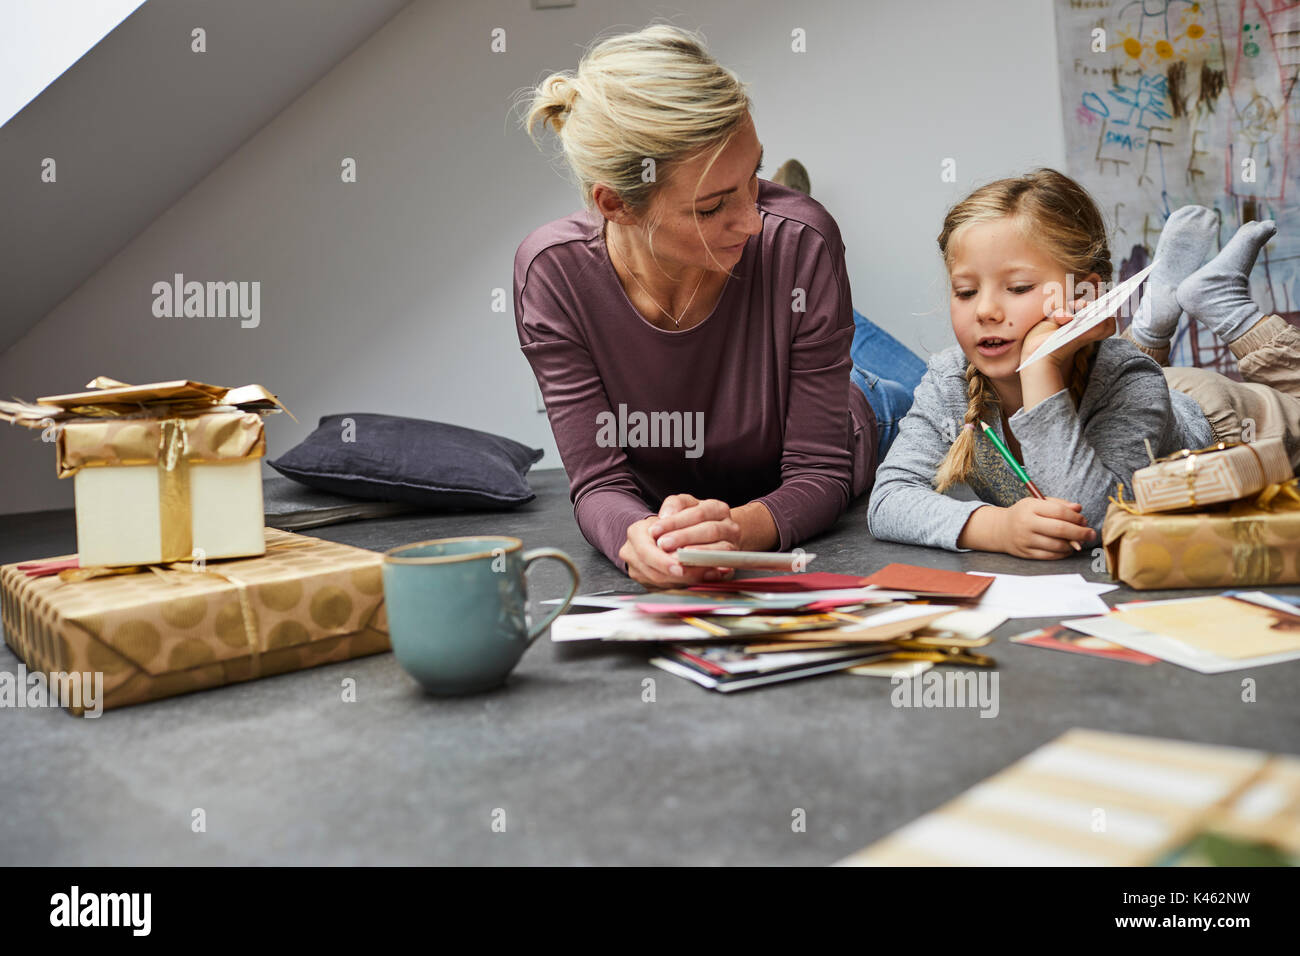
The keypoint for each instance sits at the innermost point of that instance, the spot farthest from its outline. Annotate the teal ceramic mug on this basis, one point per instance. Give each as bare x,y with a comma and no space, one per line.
457,609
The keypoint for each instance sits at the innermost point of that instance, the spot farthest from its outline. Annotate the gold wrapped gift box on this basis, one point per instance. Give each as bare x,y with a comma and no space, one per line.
1222,472
154,490
156,631
1251,542
163,472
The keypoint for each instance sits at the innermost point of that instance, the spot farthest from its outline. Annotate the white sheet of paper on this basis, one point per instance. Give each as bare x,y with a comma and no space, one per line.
903,670
893,615
869,595
623,624
596,600
1088,317
1267,600
1042,595
758,663
969,624
681,670
1114,628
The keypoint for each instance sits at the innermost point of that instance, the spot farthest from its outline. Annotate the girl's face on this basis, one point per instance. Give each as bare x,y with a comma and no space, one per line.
1002,286
706,223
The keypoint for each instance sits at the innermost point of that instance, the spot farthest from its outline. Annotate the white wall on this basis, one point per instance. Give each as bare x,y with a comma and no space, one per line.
38,41
376,296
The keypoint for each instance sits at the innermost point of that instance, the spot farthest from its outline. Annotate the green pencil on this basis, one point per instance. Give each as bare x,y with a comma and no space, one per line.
1018,468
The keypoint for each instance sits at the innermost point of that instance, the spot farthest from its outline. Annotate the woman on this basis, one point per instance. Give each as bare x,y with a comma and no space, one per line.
690,331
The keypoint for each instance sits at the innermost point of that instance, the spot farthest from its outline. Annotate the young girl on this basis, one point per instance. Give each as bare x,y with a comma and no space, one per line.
1076,419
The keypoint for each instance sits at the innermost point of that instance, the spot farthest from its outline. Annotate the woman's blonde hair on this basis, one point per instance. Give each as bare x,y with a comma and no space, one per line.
1056,214
655,95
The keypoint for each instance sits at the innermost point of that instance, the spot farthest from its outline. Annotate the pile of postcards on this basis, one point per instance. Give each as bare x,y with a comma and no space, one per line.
762,630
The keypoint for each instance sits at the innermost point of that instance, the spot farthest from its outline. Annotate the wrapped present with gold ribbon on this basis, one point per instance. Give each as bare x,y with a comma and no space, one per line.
164,472
157,630
1225,471
1250,542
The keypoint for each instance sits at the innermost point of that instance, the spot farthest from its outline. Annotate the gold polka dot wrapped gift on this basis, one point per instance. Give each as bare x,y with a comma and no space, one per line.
1251,542
160,630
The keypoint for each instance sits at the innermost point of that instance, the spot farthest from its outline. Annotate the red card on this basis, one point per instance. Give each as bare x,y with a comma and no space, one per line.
685,607
40,569
816,581
1063,639
929,581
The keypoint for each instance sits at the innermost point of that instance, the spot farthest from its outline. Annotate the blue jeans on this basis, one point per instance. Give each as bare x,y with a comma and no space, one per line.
888,372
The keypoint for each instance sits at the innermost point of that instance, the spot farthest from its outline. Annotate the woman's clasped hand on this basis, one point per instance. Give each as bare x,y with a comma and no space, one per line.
684,521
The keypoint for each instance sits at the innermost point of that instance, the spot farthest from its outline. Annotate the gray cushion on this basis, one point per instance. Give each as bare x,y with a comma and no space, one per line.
432,465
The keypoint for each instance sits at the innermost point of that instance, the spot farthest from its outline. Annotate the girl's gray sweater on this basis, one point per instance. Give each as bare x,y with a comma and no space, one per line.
1078,455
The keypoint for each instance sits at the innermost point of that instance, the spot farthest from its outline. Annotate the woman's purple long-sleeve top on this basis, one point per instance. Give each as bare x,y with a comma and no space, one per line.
752,404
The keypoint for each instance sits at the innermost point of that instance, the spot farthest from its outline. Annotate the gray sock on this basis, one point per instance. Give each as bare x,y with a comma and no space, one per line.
1185,242
1218,294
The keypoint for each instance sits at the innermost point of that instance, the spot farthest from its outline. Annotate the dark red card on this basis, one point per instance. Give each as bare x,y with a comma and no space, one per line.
816,581
929,581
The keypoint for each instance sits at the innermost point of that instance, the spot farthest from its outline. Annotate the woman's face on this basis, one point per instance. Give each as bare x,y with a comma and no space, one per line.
705,222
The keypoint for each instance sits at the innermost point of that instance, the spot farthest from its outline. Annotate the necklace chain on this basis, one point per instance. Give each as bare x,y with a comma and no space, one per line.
676,321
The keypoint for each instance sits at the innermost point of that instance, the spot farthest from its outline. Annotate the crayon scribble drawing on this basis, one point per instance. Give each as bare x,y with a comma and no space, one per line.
1179,102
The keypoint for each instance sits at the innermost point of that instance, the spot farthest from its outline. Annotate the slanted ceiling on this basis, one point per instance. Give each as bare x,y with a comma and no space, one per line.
140,119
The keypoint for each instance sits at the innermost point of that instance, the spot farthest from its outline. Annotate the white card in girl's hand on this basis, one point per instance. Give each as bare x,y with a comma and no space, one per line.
757,560
1090,316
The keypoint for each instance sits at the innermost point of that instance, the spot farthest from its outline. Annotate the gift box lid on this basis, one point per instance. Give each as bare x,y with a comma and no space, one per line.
110,398
109,392
212,437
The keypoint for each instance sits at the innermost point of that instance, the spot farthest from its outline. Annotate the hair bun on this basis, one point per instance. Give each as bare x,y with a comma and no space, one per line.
560,92
568,92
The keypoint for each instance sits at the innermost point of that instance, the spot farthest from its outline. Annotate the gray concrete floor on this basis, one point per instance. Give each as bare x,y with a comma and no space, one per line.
580,768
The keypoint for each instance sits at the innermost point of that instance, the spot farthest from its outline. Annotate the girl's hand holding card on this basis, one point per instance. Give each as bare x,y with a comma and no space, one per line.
1042,379
1091,315
1064,355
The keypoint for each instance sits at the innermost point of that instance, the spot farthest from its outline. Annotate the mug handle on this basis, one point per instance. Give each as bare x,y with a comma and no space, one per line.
537,553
